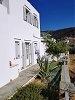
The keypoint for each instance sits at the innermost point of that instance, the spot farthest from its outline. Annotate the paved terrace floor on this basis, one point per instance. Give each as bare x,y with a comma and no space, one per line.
24,77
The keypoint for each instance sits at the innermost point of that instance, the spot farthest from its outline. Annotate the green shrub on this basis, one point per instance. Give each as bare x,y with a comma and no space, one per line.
30,92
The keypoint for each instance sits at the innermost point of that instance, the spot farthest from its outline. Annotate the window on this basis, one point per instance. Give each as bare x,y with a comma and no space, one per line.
1,1
17,49
35,21
29,17
26,15
35,46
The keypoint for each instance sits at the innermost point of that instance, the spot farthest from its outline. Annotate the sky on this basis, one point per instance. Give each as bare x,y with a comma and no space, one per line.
55,14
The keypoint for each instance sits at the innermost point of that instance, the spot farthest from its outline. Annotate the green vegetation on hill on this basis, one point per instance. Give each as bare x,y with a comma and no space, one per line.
62,34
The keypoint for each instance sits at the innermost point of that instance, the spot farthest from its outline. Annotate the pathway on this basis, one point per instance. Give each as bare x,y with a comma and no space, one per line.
24,77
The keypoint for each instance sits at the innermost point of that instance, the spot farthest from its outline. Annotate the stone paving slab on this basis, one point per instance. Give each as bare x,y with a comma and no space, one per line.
24,76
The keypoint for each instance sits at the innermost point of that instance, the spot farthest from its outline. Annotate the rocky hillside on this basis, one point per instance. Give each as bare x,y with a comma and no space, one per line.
68,33
60,34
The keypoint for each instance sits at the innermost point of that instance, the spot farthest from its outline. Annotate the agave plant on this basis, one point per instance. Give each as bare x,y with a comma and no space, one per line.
43,69
50,75
48,71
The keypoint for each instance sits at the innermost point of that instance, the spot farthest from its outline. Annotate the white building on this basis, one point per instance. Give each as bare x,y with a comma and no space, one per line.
19,38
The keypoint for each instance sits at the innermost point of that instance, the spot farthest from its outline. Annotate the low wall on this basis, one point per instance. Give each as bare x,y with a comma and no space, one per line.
65,82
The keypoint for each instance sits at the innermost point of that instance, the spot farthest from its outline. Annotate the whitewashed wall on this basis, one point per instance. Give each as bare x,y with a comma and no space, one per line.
4,62
13,26
43,48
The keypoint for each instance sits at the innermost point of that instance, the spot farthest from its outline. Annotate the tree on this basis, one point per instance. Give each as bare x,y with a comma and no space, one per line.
56,47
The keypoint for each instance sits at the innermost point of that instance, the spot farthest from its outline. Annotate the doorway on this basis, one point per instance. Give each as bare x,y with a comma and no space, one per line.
26,49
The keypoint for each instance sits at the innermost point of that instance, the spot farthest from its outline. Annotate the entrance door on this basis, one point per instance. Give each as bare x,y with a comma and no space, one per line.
24,54
30,54
27,54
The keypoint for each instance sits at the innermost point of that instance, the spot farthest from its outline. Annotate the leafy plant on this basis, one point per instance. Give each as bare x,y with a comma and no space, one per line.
56,47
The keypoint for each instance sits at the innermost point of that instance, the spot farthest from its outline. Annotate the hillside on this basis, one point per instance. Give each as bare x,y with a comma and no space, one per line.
60,34
68,33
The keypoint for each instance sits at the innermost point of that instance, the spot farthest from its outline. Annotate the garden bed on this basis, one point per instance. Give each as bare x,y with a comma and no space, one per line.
36,90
